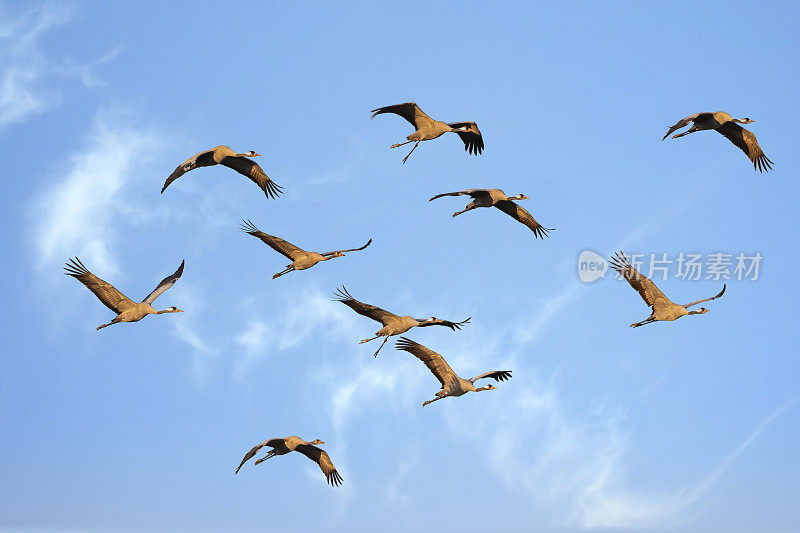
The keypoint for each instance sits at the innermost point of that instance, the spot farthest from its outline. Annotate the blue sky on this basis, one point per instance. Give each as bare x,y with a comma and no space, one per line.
683,426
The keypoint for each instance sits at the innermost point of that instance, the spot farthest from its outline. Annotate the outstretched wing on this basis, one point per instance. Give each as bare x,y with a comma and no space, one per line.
370,311
249,455
470,136
323,460
326,254
409,111
165,284
105,292
497,375
276,243
248,167
470,192
681,123
746,141
646,288
687,306
522,215
435,362
200,159
439,322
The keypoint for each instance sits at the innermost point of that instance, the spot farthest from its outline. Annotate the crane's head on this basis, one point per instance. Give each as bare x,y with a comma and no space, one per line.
520,196
744,120
172,309
252,153
487,387
316,441
700,311
338,254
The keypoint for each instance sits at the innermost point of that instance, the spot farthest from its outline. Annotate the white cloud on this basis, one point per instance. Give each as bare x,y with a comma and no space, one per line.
23,64
309,312
77,215
26,88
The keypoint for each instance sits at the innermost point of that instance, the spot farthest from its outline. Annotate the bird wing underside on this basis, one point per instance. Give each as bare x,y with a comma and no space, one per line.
747,143
643,285
497,375
165,284
200,159
472,138
409,111
434,361
522,215
326,254
248,167
276,243
681,123
105,292
321,457
367,310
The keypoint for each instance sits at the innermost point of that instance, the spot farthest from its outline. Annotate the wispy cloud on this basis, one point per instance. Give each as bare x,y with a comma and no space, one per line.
25,71
77,215
308,315
23,63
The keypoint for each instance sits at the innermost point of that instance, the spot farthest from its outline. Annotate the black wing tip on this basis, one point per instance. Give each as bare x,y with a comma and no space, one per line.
503,375
618,261
762,163
334,479
403,343
542,232
272,190
342,295
457,325
74,267
248,227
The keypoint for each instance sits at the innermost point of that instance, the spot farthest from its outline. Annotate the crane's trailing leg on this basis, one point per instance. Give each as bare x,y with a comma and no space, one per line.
687,132
399,144
411,152
109,324
270,454
642,323
282,272
469,208
362,341
381,346
431,401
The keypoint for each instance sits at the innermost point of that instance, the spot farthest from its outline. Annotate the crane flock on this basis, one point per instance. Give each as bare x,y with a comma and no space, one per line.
426,128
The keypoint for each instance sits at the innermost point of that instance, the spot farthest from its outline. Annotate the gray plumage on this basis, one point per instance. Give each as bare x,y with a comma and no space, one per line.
726,125
223,155
392,324
497,198
284,445
126,309
427,128
663,309
301,259
452,384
